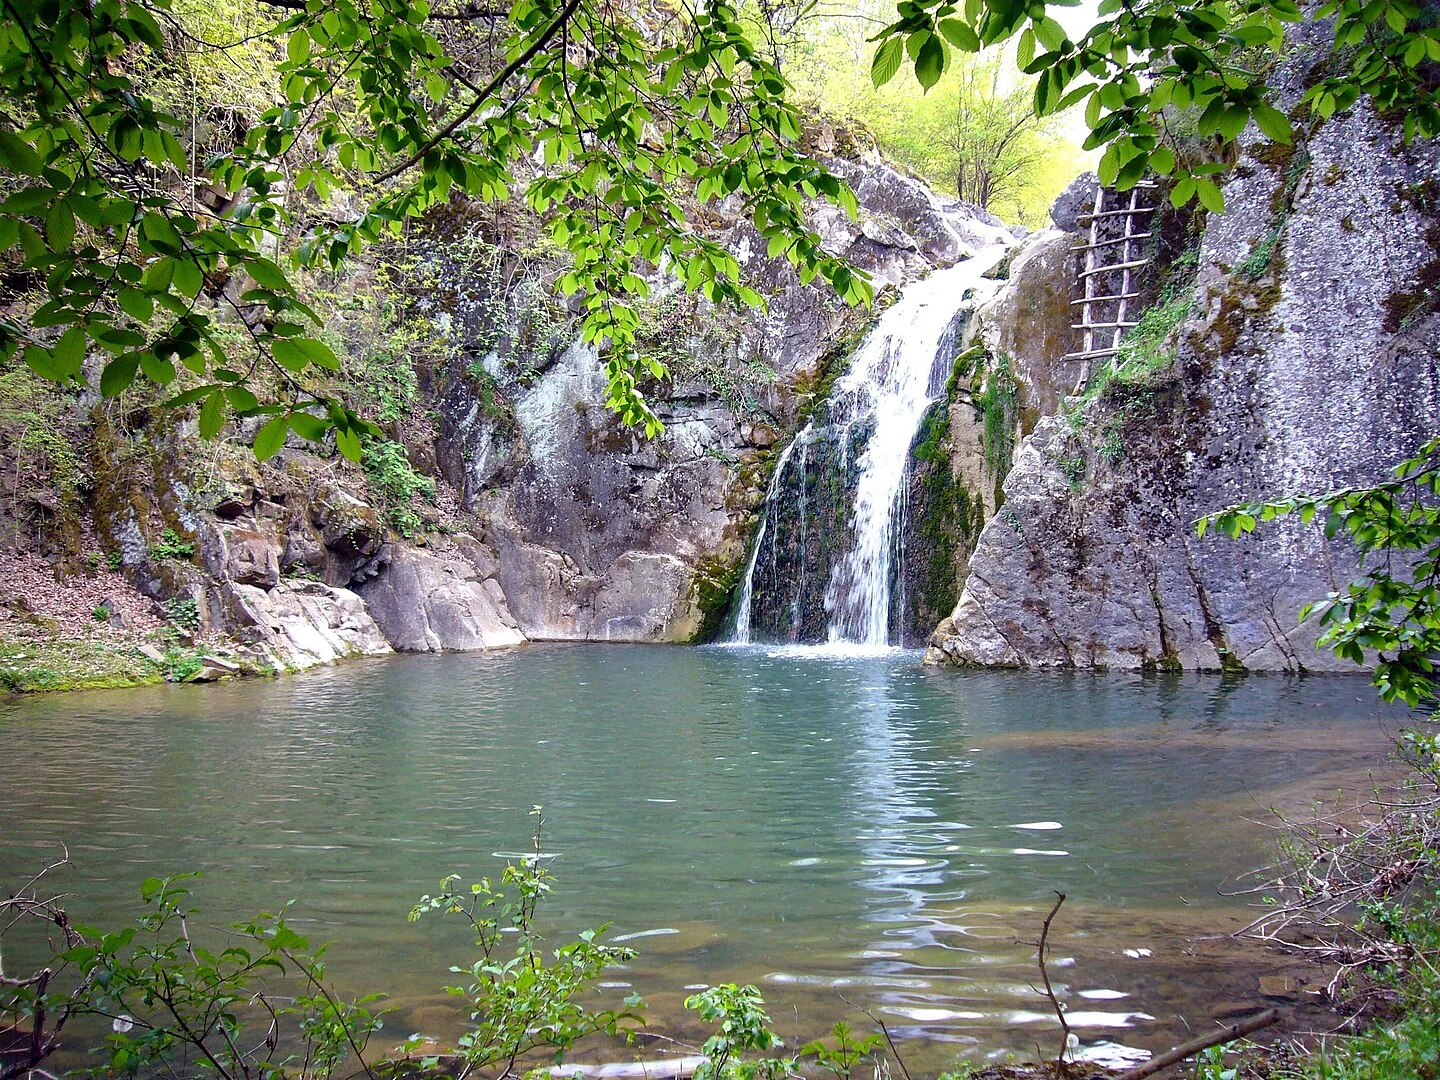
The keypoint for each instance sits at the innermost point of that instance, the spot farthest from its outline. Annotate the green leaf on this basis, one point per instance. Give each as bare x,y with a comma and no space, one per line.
1210,196
297,49
267,275
887,61
118,375
1273,123
930,62
69,352
189,397
308,426
271,437
18,155
41,361
960,35
60,227
348,443
212,415
157,229
137,304
289,355
188,278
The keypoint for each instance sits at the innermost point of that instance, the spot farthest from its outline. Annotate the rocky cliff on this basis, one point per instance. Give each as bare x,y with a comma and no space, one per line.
1307,362
504,502
603,534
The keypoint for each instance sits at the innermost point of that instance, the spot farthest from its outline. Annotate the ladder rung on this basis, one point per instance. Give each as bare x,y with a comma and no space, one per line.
1101,325
1105,299
1094,355
1114,267
1115,213
1112,243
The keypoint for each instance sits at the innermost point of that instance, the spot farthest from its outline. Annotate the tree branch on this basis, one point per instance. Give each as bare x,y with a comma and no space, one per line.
498,81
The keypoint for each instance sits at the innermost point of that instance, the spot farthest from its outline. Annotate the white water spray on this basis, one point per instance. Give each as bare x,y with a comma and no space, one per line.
888,384
889,379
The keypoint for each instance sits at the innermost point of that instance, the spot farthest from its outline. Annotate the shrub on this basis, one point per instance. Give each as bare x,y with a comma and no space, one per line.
394,484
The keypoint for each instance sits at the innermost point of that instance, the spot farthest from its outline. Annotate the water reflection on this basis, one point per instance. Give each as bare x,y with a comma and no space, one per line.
841,824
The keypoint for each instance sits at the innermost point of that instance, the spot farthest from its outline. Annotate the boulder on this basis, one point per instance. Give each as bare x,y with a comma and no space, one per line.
241,553
300,624
426,602
1076,200
1029,321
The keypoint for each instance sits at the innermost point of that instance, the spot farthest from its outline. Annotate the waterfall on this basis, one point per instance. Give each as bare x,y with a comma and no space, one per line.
862,446
739,632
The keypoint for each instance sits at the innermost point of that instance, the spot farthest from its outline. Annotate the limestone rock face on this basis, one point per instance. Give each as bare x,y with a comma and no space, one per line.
1029,322
603,534
302,624
439,602
1309,363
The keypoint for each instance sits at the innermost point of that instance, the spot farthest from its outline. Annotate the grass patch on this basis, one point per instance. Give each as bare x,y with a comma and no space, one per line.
1145,352
37,666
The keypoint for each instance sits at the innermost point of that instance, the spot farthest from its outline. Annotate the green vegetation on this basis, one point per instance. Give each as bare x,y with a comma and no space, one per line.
694,341
172,545
975,135
171,994
40,455
840,1058
38,665
129,211
184,612
1146,355
743,1027
1128,381
1255,265
1135,63
394,484
998,403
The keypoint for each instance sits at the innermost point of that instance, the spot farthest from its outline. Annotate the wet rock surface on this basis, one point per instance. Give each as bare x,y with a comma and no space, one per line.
1308,364
603,534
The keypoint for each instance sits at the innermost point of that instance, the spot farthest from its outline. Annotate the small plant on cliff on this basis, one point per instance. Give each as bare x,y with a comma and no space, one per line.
184,612
995,396
394,484
172,545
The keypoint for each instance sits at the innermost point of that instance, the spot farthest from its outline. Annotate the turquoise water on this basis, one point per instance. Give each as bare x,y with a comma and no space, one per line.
820,825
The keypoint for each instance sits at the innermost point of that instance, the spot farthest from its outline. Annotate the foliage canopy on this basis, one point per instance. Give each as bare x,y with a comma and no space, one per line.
146,229
1211,56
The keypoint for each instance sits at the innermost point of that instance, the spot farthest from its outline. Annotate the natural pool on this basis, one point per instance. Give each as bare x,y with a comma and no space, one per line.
818,824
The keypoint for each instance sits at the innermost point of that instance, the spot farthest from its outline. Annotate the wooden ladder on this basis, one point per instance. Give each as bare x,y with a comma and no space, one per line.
1108,278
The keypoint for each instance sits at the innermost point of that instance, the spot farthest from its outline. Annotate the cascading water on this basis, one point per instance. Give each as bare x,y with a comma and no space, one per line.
852,466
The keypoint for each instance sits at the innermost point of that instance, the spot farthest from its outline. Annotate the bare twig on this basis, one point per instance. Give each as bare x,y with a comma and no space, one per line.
1201,1042
1045,974
895,1050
